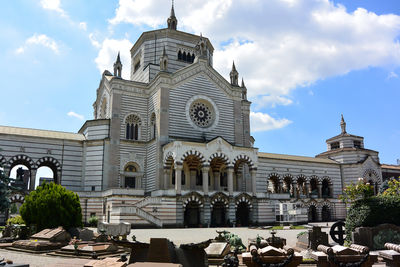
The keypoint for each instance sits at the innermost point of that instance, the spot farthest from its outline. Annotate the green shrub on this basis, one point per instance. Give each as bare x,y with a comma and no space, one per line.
15,220
50,206
372,212
93,220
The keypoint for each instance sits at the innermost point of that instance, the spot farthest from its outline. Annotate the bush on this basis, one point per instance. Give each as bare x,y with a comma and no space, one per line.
50,206
93,220
372,212
15,220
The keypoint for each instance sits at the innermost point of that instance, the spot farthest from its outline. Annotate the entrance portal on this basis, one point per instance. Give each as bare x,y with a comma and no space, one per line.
192,214
326,215
242,214
218,216
312,214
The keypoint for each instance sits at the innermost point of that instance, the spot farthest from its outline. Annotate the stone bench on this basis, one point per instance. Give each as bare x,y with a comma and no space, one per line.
391,256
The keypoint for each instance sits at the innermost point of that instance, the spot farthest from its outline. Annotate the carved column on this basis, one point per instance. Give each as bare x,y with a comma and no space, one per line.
32,180
205,170
166,179
253,173
319,187
178,178
229,170
58,180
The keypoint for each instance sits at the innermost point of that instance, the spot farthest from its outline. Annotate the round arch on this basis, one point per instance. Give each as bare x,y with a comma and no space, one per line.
53,164
23,160
274,181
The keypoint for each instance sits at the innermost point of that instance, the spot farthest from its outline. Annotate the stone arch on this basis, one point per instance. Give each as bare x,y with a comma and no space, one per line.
243,198
219,197
169,160
244,158
274,181
192,197
311,210
22,159
326,210
17,198
372,177
132,175
193,153
287,182
221,156
53,164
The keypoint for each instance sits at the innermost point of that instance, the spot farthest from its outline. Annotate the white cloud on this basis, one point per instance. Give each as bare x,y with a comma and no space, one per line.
39,39
76,115
279,45
53,5
272,101
83,25
109,49
392,75
264,122
93,40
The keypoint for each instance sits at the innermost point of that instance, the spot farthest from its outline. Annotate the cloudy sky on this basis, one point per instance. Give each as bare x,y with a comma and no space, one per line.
304,63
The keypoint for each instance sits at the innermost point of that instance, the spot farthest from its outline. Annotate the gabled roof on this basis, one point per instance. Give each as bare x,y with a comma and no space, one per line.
41,133
343,135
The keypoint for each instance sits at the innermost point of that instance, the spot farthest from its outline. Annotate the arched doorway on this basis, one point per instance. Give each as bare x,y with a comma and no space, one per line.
21,174
325,213
218,214
312,213
326,188
243,214
192,214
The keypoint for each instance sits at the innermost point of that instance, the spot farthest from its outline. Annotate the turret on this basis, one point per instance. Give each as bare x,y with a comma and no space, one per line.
343,125
244,90
164,61
118,67
234,75
172,21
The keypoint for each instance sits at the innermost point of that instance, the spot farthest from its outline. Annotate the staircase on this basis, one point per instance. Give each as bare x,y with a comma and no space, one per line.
147,201
137,210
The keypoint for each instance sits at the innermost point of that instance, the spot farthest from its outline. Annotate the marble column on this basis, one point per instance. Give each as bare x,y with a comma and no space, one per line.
178,178
229,171
166,179
253,173
205,170
280,189
32,180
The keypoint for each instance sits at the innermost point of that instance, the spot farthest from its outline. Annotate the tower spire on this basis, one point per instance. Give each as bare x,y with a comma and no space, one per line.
172,21
234,75
118,67
343,125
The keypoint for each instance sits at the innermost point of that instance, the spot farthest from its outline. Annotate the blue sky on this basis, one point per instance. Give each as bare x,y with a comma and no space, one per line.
304,63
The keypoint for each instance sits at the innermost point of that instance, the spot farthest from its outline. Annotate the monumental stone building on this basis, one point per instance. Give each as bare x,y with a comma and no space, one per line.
171,146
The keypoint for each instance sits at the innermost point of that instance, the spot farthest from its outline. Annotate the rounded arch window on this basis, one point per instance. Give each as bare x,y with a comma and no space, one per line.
202,113
130,168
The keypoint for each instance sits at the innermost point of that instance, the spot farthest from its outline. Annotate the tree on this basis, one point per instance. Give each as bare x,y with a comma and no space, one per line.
50,206
5,191
393,188
357,191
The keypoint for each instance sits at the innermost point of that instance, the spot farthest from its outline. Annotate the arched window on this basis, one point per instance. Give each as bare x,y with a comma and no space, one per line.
184,56
179,55
133,124
130,176
193,56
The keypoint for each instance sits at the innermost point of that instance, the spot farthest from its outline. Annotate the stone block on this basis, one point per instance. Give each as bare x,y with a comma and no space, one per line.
115,229
376,237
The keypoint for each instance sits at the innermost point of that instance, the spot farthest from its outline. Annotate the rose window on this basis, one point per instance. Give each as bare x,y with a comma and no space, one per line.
201,114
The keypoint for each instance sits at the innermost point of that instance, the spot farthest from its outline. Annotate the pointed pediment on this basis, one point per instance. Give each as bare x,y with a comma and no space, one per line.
270,251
